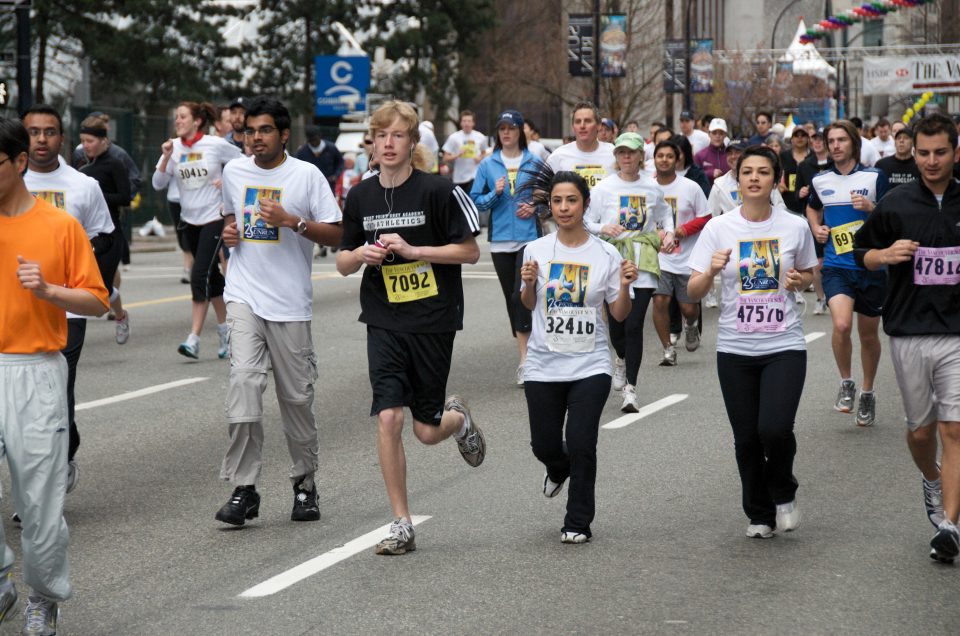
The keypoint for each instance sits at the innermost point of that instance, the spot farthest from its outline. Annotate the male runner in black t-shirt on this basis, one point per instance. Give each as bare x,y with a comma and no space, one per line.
915,233
412,230
901,167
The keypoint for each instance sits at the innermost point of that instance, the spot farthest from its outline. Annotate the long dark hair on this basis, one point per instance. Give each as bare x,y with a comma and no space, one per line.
498,145
543,180
768,153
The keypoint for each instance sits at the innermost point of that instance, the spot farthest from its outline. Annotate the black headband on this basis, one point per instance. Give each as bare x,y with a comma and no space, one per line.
96,132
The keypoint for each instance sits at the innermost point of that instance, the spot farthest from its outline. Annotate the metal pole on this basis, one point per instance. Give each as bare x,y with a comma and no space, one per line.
596,53
687,96
776,23
24,92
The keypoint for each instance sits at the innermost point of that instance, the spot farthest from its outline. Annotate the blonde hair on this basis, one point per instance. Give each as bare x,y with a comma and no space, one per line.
101,121
421,158
392,111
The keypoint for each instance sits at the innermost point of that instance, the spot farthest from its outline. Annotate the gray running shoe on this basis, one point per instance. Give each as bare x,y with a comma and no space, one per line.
40,617
223,349
945,545
691,337
472,447
399,540
759,531
123,329
569,536
867,409
669,358
8,596
848,391
933,501
73,475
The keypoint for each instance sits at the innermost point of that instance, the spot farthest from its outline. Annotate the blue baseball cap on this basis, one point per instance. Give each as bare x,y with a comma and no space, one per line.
512,117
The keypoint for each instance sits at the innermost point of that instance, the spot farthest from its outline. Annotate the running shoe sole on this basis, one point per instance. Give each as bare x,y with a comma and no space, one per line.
387,549
184,350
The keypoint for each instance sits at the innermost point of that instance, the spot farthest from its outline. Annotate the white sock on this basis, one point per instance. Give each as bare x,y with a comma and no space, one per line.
222,327
463,429
193,339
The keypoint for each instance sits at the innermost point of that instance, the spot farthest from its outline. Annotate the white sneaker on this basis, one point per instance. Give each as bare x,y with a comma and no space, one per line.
619,374
820,308
691,335
573,537
759,531
123,329
223,350
669,357
630,403
674,339
788,516
190,347
798,298
710,300
551,488
520,375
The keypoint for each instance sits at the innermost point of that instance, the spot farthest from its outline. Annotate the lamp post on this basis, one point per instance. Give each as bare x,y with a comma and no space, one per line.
776,23
687,91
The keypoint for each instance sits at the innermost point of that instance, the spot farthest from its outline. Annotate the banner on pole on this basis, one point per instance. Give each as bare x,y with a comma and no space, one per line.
580,42
613,45
913,74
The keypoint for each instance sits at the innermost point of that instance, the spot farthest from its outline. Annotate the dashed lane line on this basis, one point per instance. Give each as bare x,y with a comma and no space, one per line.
132,395
319,563
648,409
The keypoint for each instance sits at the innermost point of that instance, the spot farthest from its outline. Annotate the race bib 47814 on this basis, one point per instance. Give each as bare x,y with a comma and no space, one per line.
936,266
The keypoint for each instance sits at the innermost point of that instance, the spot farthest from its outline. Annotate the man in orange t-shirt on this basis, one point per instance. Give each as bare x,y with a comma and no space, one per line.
47,268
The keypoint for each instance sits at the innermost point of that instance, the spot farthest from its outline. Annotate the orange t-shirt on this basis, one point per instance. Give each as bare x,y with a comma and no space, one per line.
58,242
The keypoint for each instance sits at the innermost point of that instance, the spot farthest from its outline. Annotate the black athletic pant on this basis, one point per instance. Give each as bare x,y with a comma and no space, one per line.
762,394
580,403
507,266
627,336
76,332
206,281
174,207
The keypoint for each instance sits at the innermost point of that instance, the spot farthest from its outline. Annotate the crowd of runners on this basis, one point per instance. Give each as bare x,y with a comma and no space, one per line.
583,239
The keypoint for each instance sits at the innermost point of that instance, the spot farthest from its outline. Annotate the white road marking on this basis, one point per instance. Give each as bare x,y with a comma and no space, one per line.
130,395
813,335
319,563
649,409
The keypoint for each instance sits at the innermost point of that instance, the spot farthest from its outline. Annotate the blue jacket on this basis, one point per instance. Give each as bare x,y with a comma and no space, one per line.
505,225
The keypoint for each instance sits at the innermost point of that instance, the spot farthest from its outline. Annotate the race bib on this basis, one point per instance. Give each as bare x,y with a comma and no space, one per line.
764,313
469,150
571,329
591,174
193,174
409,281
792,182
936,266
842,236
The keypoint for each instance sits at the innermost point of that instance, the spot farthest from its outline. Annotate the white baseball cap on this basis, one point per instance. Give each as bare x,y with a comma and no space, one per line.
717,124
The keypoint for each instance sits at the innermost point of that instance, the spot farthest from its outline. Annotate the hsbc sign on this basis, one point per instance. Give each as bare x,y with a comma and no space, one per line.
914,74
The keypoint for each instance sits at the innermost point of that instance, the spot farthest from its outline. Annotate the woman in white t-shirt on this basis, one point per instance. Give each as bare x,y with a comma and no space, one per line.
566,278
761,253
195,161
626,209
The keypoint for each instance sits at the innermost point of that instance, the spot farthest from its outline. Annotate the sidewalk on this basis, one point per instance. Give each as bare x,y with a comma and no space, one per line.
151,243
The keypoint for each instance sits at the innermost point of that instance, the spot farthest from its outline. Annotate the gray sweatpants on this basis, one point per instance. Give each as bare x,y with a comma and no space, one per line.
34,438
289,346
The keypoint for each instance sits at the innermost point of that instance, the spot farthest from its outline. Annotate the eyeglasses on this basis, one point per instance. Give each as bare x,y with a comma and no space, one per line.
262,130
46,132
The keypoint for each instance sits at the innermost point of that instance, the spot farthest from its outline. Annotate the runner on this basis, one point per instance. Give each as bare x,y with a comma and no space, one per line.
465,149
883,142
760,252
840,201
513,221
48,269
237,117
50,179
322,154
195,160
763,121
817,161
868,153
608,130
115,186
413,231
626,209
687,168
713,159
690,214
586,155
697,138
276,207
567,277
915,232
533,140
900,167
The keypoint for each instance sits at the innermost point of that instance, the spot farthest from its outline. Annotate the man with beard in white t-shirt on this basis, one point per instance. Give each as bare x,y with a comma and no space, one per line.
690,215
589,157
276,207
465,148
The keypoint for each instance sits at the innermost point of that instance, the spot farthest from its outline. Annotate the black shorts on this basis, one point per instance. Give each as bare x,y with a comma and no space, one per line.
409,369
867,289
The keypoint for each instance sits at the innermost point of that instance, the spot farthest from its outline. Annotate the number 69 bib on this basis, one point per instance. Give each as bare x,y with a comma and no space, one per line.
409,281
763,313
571,329
842,236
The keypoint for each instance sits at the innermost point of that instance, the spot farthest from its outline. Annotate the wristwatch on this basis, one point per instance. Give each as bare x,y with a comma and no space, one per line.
301,226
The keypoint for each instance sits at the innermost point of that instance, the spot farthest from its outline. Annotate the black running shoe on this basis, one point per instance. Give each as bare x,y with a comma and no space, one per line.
306,503
244,504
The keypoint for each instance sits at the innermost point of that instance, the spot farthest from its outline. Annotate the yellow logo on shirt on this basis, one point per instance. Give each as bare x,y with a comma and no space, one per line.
55,198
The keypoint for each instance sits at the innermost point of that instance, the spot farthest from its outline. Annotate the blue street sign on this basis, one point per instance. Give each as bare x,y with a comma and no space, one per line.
342,83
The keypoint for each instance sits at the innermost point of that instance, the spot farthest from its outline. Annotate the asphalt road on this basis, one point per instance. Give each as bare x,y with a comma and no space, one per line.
669,555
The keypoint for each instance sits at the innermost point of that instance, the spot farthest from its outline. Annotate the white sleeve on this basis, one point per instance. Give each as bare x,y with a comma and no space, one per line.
806,254
662,213
777,199
161,180
451,145
593,217
228,152
323,208
703,251
713,201
230,204
613,279
700,202
97,210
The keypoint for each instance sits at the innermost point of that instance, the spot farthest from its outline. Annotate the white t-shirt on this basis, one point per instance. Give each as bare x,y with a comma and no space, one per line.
474,147
762,254
592,166
868,153
699,140
687,202
884,148
538,150
75,193
429,141
725,195
634,205
571,342
270,268
196,169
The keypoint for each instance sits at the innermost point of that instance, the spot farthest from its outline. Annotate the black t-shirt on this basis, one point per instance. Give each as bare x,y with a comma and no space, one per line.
899,171
806,171
912,212
790,178
426,210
